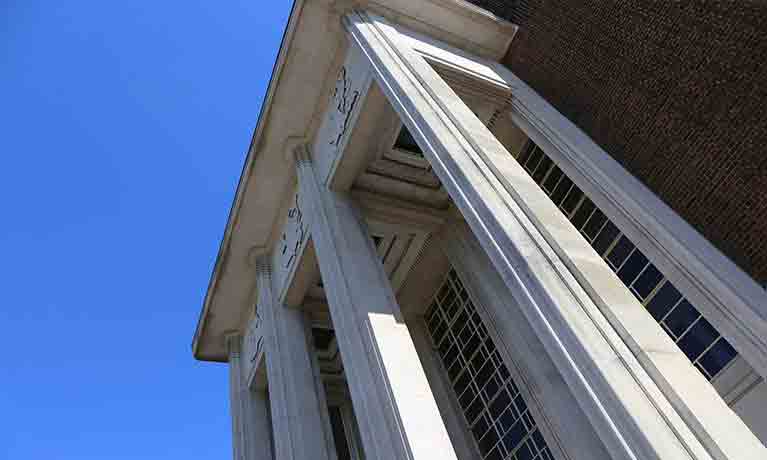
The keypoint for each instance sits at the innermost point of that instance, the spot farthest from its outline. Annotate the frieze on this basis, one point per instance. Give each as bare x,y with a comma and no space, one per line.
289,246
293,235
344,101
253,346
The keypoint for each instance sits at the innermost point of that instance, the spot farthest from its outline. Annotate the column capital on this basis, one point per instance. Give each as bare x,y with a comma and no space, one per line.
260,257
233,343
297,150
264,265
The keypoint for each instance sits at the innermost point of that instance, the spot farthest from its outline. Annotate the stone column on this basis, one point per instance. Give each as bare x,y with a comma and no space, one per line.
251,433
296,406
397,415
639,392
520,348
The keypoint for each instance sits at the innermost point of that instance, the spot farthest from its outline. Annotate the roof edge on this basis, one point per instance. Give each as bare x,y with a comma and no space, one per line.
277,68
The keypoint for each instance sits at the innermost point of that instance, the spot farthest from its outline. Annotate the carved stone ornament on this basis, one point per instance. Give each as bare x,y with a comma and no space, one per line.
343,102
293,236
254,341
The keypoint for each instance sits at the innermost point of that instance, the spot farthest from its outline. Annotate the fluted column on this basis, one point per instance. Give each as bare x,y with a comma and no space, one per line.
251,437
296,407
397,415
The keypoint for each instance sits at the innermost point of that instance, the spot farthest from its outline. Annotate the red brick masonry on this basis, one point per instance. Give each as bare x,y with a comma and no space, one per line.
674,91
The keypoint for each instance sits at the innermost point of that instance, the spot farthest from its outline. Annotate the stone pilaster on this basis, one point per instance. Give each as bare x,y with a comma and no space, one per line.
396,412
296,407
251,432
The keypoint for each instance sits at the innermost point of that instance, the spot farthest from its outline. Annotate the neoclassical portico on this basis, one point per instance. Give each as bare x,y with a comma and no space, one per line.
398,285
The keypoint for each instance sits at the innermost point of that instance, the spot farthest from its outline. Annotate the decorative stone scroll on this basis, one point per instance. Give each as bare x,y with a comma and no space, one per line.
253,347
289,246
344,101
352,83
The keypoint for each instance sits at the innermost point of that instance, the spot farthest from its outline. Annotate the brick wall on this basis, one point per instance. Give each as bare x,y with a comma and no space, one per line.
674,91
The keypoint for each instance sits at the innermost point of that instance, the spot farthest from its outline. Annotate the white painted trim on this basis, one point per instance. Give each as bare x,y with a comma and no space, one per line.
730,299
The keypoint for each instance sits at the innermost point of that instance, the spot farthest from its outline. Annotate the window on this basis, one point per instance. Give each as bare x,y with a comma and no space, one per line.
493,407
696,337
407,143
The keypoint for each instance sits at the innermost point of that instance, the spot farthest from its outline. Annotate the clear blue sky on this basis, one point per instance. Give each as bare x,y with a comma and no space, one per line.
123,130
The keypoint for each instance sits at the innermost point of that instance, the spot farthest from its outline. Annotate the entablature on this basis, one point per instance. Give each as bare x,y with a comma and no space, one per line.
313,55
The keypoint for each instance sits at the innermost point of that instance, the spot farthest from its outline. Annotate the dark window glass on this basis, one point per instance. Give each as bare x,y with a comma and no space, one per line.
552,179
496,454
524,453
595,223
583,213
561,190
500,403
488,441
339,436
663,301
514,436
698,338
605,238
681,318
480,427
620,252
542,169
632,267
405,141
717,357
572,199
526,152
647,281
532,162
488,396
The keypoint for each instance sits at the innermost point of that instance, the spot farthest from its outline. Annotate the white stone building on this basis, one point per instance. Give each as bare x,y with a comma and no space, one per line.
426,260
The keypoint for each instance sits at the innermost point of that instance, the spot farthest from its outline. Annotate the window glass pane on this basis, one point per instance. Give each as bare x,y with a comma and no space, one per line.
605,238
594,224
572,199
698,339
620,252
552,179
339,436
562,188
647,281
405,141
542,169
663,301
526,152
681,318
715,359
492,404
683,324
583,213
532,161
631,268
